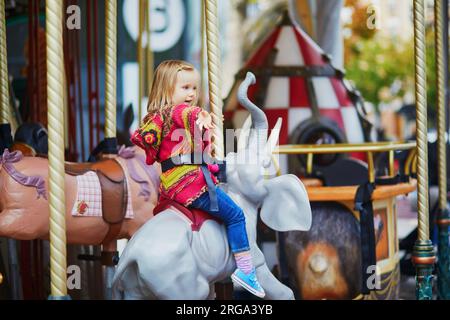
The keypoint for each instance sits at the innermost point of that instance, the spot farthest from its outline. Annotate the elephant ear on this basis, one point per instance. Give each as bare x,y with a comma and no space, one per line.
286,206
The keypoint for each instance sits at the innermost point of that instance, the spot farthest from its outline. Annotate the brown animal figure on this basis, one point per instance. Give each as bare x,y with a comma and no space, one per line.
325,262
24,210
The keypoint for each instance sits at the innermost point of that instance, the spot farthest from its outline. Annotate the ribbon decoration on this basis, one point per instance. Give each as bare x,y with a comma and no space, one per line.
129,153
38,182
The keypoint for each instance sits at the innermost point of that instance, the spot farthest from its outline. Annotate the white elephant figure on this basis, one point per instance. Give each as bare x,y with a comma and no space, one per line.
165,259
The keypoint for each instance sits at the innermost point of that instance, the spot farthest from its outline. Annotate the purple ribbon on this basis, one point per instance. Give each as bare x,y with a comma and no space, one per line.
150,171
7,160
128,153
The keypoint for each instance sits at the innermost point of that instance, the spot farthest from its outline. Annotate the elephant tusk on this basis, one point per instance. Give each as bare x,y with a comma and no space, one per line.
244,133
274,136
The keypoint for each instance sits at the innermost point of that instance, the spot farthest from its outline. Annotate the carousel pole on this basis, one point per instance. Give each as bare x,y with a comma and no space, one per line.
109,250
6,142
224,289
214,69
423,255
140,56
443,220
110,68
202,48
148,51
5,114
55,64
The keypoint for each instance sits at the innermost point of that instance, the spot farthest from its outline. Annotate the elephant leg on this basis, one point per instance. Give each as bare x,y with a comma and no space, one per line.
188,283
274,289
127,284
162,262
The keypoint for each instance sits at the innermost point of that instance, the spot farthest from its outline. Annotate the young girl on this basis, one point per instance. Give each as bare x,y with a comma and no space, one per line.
171,109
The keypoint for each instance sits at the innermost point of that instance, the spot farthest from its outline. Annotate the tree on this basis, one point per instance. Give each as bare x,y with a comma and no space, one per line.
381,67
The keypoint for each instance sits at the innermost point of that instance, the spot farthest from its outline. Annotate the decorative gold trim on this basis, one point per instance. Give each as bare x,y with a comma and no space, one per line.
344,147
391,163
371,167
409,160
309,163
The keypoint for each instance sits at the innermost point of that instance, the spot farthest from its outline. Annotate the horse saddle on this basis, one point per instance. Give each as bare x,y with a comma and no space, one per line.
113,186
196,216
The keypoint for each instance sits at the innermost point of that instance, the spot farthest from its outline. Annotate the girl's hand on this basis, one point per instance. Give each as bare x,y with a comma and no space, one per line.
216,117
204,120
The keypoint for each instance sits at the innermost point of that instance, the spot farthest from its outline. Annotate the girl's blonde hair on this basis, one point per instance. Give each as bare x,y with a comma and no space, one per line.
163,86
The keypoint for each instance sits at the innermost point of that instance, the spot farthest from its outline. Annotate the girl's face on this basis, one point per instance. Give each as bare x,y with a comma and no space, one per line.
186,88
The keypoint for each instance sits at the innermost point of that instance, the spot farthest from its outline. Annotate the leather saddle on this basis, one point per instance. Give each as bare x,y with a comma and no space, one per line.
196,216
113,186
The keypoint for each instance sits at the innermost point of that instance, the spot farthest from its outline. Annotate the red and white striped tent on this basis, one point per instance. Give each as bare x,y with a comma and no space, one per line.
295,80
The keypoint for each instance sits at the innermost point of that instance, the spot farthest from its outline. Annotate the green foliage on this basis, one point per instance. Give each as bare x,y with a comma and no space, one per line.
381,67
376,64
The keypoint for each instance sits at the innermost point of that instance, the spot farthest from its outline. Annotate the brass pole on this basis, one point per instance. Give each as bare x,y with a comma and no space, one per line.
5,115
109,250
370,167
443,220
423,255
202,49
214,69
309,163
140,57
148,51
343,147
391,163
55,63
440,86
110,67
421,122
409,162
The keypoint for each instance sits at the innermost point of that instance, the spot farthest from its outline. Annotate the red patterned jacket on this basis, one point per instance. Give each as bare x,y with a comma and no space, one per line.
183,183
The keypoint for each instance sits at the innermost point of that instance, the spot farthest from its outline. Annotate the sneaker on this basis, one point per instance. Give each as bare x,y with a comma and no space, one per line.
248,282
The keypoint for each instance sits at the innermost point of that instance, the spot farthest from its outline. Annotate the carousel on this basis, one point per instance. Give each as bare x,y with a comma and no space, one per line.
305,166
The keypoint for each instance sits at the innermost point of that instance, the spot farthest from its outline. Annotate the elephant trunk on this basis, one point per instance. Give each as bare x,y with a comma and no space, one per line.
259,118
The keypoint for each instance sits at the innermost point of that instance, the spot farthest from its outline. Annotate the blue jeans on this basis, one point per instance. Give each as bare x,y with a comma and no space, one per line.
231,214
